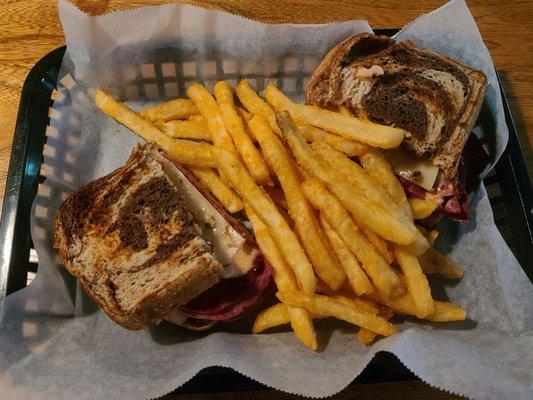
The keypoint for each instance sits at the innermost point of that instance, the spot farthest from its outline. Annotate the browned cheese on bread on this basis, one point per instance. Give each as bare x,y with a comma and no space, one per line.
432,97
133,244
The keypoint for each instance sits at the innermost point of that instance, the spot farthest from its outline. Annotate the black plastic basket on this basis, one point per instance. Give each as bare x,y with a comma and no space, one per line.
508,187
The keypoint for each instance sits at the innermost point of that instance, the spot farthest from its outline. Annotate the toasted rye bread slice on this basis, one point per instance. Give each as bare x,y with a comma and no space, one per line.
434,98
132,243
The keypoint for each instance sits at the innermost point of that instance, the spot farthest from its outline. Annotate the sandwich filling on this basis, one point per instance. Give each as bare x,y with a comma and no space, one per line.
230,247
247,277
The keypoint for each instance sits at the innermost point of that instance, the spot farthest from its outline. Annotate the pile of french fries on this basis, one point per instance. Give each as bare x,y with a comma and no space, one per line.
327,211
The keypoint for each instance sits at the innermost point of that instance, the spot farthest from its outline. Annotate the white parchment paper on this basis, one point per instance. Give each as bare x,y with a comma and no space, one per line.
55,343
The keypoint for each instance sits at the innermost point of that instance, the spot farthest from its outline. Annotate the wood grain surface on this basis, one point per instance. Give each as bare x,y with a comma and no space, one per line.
29,29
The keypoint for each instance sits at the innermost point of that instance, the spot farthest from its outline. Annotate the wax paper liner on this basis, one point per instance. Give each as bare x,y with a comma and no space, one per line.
55,343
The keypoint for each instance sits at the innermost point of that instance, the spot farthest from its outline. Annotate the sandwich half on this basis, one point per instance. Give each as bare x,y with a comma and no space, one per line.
433,98
143,242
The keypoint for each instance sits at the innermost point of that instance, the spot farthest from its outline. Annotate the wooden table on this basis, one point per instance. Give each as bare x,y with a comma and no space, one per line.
30,28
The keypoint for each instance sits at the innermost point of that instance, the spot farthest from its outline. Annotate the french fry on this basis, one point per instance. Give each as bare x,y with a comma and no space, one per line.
187,152
277,196
250,155
182,151
380,245
197,118
323,288
323,307
435,262
417,283
267,211
404,304
283,275
245,115
252,101
324,264
373,191
431,236
345,290
344,111
447,312
227,197
358,303
256,105
349,127
357,177
173,109
208,107
422,208
187,129
278,314
419,245
349,147
271,317
401,277
160,125
283,211
302,325
356,276
380,170
299,318
366,337
364,212
334,213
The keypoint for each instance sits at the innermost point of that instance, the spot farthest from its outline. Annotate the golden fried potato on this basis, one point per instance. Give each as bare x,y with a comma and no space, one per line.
349,127
256,105
435,262
356,177
380,245
299,318
245,115
324,263
380,170
283,275
271,317
187,129
185,152
417,283
356,276
349,147
366,337
360,304
323,307
227,197
422,208
336,215
173,109
267,211
208,107
404,304
366,213
447,312
249,154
